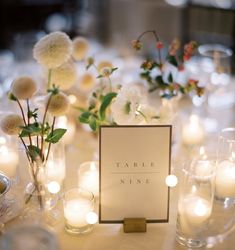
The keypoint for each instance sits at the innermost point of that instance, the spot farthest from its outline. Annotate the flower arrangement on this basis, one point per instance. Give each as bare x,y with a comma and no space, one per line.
128,105
38,135
168,75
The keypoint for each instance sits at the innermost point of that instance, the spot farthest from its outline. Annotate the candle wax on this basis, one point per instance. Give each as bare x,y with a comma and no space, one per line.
75,212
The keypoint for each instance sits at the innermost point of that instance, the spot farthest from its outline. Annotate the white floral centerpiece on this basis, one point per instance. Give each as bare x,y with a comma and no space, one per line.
53,52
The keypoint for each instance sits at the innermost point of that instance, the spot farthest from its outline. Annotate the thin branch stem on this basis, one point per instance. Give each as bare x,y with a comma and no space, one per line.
28,119
43,124
157,39
26,149
22,111
49,79
52,130
110,84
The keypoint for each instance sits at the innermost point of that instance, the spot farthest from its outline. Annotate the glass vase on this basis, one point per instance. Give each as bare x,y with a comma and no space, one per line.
35,202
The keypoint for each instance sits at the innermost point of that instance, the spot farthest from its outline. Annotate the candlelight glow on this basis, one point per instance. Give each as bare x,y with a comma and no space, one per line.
91,218
53,187
72,99
200,209
171,180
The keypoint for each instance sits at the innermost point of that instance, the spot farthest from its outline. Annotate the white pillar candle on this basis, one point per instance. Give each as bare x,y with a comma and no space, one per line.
193,133
88,177
55,171
8,161
75,212
194,212
225,179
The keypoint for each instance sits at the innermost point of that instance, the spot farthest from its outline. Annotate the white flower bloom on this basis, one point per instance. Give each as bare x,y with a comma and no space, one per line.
23,87
11,124
126,107
80,48
104,64
53,49
59,104
64,76
87,82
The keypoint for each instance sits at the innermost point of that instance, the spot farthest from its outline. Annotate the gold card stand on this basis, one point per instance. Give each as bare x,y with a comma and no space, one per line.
134,225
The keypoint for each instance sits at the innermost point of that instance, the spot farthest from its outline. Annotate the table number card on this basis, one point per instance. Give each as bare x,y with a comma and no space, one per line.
134,162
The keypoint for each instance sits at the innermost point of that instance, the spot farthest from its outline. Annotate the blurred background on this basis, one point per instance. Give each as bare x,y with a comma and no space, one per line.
115,22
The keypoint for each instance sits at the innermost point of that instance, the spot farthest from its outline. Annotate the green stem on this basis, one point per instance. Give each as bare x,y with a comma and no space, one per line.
22,111
142,114
52,130
110,84
43,124
28,110
49,79
157,39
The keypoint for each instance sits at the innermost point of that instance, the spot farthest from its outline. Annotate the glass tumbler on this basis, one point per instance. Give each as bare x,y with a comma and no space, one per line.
195,202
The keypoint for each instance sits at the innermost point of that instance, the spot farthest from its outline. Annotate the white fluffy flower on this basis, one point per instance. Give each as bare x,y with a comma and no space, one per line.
64,76
104,64
23,87
87,82
80,48
53,49
126,107
11,124
59,104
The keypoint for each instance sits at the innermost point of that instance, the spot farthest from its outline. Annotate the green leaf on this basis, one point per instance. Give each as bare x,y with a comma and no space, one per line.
33,113
93,123
31,129
170,78
12,97
84,117
34,152
113,69
54,90
172,60
105,103
56,135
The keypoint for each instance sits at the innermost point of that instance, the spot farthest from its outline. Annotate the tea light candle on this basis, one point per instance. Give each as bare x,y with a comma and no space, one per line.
8,161
193,133
88,177
194,212
75,212
225,179
55,171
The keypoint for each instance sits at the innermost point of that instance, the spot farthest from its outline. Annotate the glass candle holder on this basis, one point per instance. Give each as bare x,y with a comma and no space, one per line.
220,86
88,177
225,174
9,157
78,205
195,203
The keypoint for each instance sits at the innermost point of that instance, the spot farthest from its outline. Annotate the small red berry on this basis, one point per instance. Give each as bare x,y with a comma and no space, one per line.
159,45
